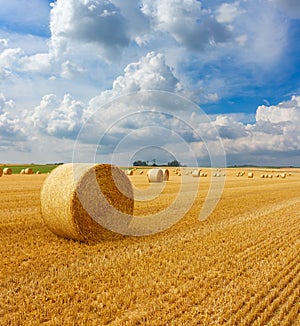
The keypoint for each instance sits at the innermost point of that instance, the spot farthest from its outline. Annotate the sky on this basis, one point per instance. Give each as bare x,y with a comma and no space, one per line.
203,82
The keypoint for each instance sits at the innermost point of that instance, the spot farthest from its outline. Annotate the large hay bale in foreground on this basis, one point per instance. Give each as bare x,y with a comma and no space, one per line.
7,171
155,175
166,174
28,171
76,198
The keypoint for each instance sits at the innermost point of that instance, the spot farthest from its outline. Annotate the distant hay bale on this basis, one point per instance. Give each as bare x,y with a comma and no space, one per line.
7,171
262,175
283,175
277,175
74,197
141,172
166,174
28,171
129,172
238,174
270,176
22,171
1,172
196,173
179,174
155,175
38,172
250,175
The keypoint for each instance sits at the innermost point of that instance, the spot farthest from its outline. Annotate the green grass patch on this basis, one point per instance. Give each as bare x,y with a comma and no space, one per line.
43,168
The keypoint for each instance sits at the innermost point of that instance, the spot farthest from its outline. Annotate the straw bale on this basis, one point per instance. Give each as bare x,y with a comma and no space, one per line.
38,172
196,173
7,171
22,171
76,198
166,174
28,171
129,172
155,175
1,172
250,175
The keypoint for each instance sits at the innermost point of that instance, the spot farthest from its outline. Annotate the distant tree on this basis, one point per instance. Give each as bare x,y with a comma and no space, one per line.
174,163
154,162
140,163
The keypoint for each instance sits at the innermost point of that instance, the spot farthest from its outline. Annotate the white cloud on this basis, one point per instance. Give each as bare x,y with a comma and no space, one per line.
283,112
187,22
91,21
10,126
227,12
150,73
58,118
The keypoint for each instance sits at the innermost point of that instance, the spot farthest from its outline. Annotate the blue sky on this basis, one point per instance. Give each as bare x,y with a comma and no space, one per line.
238,61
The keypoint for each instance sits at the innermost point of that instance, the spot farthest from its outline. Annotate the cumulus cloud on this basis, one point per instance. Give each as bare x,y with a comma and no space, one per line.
275,133
150,73
187,22
227,12
10,127
94,21
58,118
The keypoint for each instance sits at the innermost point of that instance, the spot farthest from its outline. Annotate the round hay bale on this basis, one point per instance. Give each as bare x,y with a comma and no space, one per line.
179,174
38,172
141,172
1,172
76,198
283,175
7,171
129,172
28,171
277,175
166,174
262,175
22,171
196,173
155,175
250,175
238,174
270,176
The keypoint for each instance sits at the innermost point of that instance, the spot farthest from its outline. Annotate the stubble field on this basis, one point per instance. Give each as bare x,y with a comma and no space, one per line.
241,266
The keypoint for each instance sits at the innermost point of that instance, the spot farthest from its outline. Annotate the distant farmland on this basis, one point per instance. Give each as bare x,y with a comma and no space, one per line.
43,168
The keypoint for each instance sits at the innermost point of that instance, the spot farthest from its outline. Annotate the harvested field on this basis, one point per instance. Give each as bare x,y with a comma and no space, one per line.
241,266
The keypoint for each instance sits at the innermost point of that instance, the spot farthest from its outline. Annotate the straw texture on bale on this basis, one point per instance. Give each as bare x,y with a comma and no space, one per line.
7,171
166,174
28,171
1,172
155,175
71,188
196,173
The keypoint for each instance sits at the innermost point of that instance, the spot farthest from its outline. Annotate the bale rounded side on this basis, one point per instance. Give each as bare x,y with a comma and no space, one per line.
196,173
7,171
75,196
28,171
166,174
155,175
